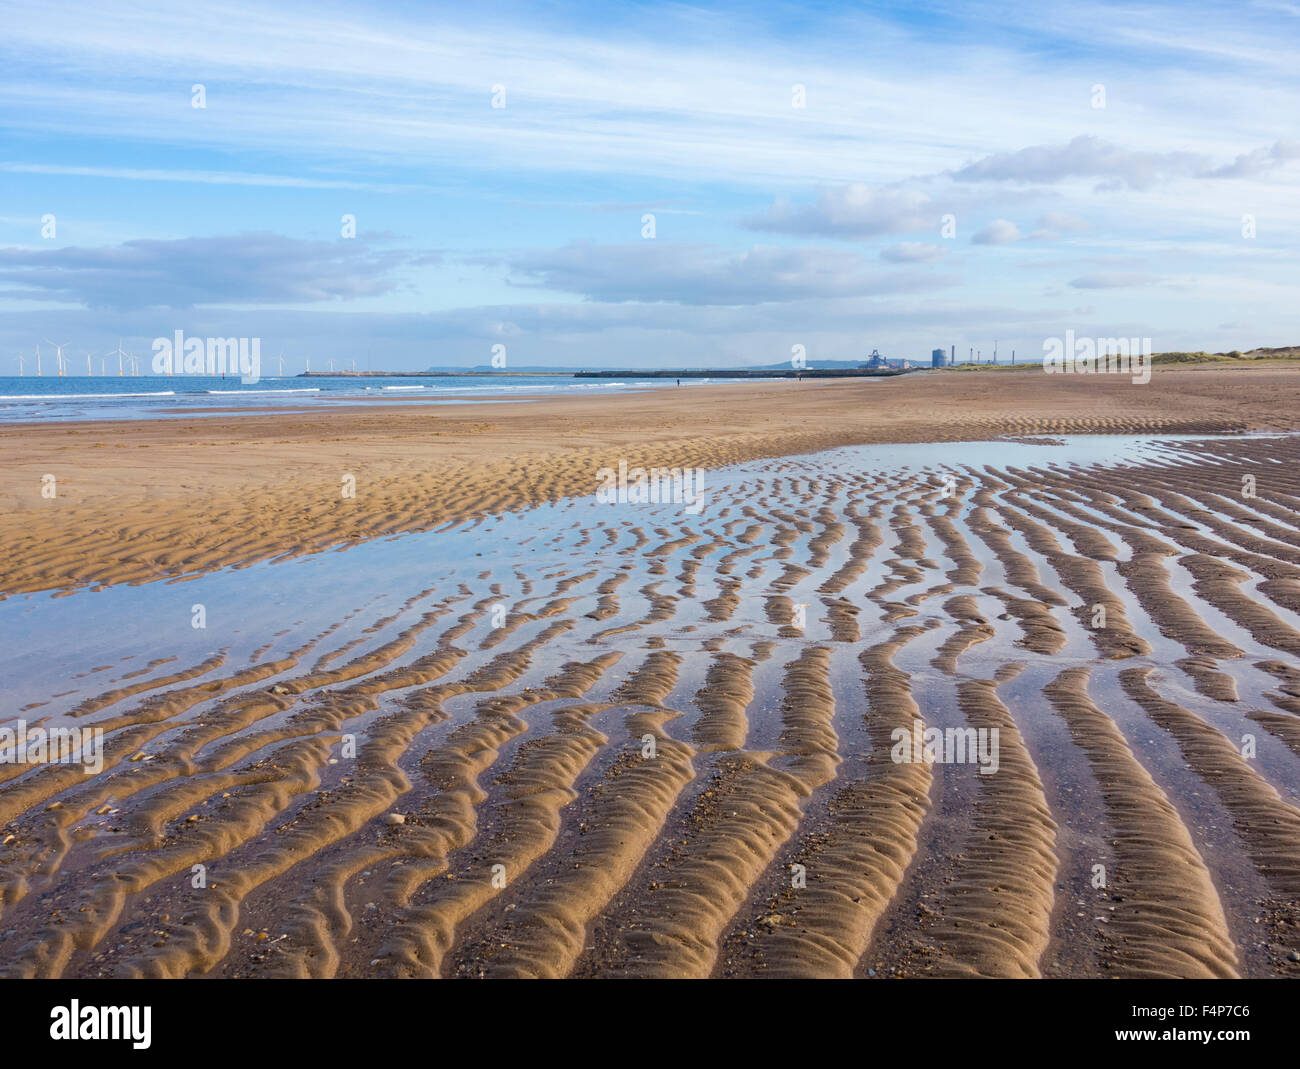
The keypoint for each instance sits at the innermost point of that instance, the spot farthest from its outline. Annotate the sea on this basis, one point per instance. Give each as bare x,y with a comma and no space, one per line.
52,398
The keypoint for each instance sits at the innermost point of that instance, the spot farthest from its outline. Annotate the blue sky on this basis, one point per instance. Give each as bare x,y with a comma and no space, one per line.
774,224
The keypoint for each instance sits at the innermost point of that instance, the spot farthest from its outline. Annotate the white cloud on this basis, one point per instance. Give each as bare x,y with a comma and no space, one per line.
649,271
1085,156
998,232
1093,157
1062,222
1257,161
913,252
852,211
1112,280
255,268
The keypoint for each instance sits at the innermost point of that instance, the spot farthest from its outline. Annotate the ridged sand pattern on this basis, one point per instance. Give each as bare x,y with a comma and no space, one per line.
641,741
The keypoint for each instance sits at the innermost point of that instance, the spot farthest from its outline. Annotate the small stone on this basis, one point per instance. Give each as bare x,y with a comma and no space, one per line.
394,818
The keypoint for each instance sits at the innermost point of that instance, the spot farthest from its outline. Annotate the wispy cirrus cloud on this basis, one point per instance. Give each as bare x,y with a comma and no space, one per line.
213,178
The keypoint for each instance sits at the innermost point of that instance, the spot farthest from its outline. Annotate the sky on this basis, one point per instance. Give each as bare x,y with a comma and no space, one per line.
404,185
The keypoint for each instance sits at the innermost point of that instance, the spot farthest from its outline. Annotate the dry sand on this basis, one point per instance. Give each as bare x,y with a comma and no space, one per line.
651,766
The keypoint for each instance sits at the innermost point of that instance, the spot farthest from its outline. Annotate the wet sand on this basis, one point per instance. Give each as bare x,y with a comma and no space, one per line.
544,736
153,499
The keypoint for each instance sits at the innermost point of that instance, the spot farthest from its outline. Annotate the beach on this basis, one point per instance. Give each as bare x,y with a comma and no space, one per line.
153,499
988,673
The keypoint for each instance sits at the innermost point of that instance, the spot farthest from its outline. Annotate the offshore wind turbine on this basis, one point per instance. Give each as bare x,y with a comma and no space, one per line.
119,354
20,364
58,349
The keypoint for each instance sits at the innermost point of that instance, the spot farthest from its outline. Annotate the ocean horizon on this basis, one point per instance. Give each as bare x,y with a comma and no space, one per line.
53,398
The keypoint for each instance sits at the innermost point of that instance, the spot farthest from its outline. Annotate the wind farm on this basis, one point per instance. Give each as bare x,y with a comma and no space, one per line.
127,363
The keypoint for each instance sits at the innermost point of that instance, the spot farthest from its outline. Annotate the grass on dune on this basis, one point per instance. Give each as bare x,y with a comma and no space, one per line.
1236,358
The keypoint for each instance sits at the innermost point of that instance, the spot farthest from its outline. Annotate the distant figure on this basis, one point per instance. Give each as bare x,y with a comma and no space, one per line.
679,382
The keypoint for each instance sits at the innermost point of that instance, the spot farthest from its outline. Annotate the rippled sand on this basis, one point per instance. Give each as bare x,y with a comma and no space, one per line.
625,740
